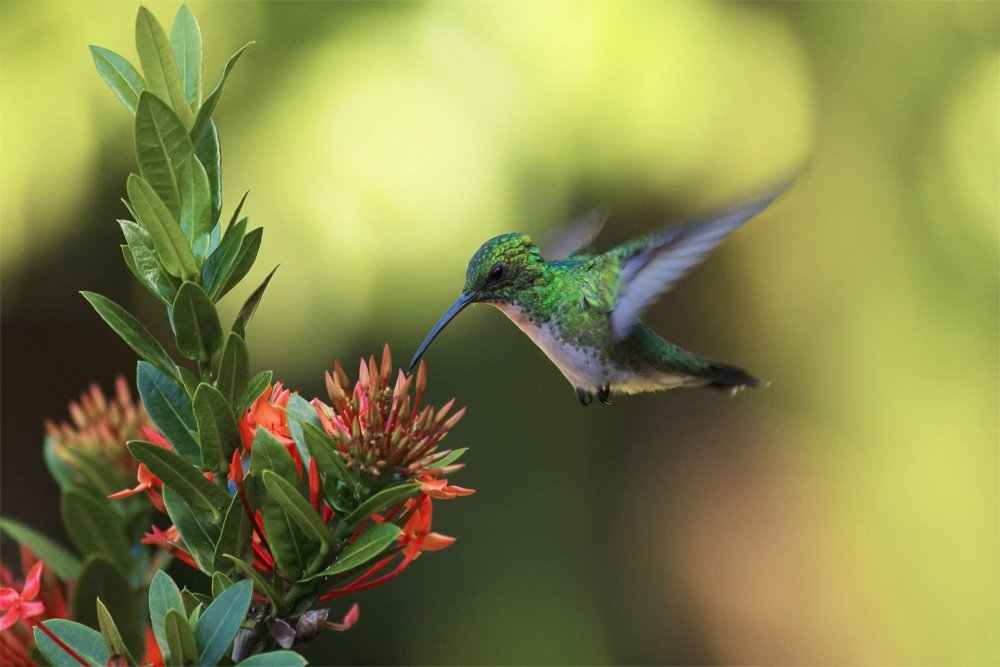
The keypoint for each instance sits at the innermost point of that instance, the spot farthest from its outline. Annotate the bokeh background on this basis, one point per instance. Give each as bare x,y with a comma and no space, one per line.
846,515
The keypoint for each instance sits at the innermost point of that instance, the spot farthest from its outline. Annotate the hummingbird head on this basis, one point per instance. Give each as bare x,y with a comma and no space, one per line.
500,270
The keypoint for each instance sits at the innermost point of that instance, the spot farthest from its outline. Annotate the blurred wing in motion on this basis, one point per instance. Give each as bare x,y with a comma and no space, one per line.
575,236
651,265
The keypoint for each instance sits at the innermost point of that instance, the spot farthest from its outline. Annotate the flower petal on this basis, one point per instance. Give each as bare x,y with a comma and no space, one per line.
33,582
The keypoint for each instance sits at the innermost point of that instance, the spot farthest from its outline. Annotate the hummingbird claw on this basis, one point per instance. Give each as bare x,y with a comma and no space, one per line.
584,396
604,394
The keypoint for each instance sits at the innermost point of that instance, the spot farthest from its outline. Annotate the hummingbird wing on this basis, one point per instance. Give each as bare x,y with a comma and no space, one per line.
575,236
651,265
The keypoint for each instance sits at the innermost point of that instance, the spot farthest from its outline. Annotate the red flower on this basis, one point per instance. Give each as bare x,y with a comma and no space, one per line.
22,604
148,482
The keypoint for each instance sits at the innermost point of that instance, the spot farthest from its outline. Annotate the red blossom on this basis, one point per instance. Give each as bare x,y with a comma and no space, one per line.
22,604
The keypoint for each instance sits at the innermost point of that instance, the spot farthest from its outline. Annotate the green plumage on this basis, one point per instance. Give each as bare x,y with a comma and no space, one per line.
583,310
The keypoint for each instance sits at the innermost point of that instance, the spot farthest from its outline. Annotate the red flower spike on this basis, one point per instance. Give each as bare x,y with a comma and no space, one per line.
169,540
18,605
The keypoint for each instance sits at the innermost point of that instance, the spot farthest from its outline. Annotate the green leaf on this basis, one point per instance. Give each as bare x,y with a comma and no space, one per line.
163,596
132,332
210,155
190,381
233,369
125,80
93,526
217,427
267,453
383,500
257,385
180,638
199,528
196,323
245,258
185,40
236,537
169,406
448,459
158,64
145,265
221,620
369,544
58,466
162,146
239,207
298,508
85,642
196,206
172,248
180,475
102,578
219,263
208,108
324,450
59,560
274,659
109,631
250,306
260,582
220,582
300,410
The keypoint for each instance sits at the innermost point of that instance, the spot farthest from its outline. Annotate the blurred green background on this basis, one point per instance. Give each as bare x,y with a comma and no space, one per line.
847,514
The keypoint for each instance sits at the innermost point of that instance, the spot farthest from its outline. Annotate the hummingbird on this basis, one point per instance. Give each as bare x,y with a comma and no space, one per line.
584,310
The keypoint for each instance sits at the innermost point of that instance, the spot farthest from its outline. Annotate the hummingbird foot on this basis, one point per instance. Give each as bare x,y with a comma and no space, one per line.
585,397
604,394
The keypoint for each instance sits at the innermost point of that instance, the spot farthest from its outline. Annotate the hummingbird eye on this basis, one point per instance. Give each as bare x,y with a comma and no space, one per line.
497,271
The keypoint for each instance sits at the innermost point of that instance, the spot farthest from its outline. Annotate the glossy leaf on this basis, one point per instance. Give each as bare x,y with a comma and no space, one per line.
233,369
324,450
369,544
259,580
199,528
59,560
235,539
267,453
109,632
298,508
190,381
220,582
196,206
93,526
208,108
85,642
245,258
169,406
220,262
159,65
168,239
217,427
274,659
257,385
185,41
218,625
102,578
180,475
381,501
300,410
145,264
124,80
162,146
196,323
180,638
448,459
210,155
250,306
163,596
132,332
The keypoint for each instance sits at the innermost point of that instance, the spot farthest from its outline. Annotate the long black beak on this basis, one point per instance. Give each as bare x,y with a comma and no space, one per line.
457,307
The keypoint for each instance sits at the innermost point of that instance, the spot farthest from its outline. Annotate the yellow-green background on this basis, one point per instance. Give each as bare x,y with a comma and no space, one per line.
847,514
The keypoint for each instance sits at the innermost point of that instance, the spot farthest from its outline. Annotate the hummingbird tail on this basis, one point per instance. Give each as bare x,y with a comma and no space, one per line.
729,378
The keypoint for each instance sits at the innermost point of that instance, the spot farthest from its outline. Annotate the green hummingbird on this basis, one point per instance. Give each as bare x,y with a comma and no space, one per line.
583,310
